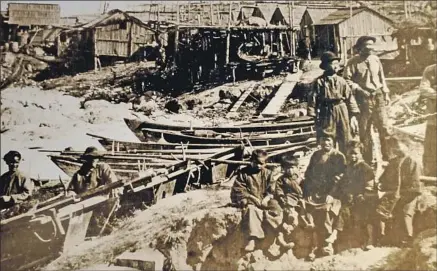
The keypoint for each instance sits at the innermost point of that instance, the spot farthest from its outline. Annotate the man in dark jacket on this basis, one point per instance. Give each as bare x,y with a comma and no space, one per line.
15,187
400,183
253,191
92,174
332,103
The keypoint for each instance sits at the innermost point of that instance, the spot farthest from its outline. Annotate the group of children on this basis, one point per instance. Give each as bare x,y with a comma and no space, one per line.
351,205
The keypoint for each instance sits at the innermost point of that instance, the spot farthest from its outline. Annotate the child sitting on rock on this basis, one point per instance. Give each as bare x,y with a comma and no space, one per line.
357,194
289,191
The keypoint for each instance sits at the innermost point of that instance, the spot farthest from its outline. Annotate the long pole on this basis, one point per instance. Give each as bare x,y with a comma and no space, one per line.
293,38
351,31
176,39
228,36
211,13
290,20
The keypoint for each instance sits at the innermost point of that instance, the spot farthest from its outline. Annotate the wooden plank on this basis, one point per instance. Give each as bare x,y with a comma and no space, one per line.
410,78
241,99
281,95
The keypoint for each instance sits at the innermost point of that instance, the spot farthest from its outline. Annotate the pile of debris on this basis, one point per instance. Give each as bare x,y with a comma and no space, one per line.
408,109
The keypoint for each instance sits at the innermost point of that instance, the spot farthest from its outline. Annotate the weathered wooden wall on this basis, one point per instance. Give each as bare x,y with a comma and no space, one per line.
365,23
34,14
121,39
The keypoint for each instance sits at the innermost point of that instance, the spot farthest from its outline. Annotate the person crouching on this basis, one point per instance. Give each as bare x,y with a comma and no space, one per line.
253,192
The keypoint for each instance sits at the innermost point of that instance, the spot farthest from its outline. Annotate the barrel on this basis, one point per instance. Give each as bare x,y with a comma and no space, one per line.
14,47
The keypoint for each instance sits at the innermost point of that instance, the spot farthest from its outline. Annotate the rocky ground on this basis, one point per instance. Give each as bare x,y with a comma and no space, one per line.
196,229
199,232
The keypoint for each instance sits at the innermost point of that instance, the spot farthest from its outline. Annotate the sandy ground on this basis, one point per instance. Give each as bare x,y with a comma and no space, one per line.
179,219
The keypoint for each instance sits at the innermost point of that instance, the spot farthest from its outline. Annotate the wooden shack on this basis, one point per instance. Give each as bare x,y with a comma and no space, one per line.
113,36
338,29
28,17
28,14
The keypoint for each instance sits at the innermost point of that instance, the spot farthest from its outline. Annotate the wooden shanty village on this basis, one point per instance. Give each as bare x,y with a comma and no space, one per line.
218,135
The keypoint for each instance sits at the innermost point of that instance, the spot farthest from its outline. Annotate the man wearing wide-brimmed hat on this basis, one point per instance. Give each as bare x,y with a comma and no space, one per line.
92,174
15,187
332,103
365,75
253,191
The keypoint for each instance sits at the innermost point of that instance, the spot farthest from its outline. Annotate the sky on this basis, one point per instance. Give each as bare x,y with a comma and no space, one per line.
69,8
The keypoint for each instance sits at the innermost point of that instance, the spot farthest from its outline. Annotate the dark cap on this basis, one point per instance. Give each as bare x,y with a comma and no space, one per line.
361,40
12,156
92,152
326,58
258,153
290,160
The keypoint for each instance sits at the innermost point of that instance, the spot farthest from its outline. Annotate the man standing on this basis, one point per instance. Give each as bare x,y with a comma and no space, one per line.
14,186
332,103
401,183
324,171
428,87
365,75
253,191
92,174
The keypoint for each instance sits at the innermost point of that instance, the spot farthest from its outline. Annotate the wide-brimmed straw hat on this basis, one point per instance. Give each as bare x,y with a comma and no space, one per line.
92,152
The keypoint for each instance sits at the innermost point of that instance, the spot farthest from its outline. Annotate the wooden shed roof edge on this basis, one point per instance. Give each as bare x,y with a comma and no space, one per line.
356,10
95,22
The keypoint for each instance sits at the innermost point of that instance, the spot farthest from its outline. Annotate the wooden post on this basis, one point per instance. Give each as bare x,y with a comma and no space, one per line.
131,41
228,34
189,12
291,20
405,9
344,49
94,48
176,39
281,47
157,12
211,13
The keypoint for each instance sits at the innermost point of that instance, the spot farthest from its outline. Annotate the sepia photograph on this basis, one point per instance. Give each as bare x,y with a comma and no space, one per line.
218,135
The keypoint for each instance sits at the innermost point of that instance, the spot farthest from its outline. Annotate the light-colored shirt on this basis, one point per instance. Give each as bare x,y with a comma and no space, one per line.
365,73
84,180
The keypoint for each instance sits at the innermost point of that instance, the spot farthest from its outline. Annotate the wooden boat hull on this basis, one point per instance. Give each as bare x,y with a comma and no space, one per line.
174,137
123,171
111,144
136,126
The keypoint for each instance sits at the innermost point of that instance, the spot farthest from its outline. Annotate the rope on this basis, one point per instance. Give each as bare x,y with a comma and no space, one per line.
55,232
